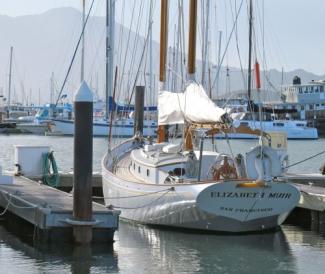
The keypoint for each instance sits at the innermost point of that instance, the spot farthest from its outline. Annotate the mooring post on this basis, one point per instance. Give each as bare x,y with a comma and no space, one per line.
138,110
83,156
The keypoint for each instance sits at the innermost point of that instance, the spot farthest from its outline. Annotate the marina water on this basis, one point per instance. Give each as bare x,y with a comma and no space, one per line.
142,249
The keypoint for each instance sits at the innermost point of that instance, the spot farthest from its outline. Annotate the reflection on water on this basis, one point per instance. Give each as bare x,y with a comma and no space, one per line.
187,252
139,249
142,249
18,254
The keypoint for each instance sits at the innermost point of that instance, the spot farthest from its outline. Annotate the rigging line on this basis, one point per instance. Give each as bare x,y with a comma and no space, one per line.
92,70
227,45
67,40
140,64
145,205
134,196
91,42
120,46
311,157
74,54
174,72
127,45
237,44
16,67
135,48
136,41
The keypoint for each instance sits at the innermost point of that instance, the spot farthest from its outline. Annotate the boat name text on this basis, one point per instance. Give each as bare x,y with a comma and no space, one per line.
253,195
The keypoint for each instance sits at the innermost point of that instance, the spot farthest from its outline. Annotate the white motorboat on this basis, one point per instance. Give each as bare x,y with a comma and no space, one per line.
294,129
121,128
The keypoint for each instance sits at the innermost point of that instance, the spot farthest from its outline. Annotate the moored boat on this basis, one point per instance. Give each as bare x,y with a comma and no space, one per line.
186,186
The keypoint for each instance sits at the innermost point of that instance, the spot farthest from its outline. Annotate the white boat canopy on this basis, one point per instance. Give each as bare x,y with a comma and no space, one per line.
192,106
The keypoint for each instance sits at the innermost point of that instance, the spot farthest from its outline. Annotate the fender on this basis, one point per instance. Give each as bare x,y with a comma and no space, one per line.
271,162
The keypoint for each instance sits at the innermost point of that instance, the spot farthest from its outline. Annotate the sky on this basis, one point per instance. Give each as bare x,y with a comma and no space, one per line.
293,29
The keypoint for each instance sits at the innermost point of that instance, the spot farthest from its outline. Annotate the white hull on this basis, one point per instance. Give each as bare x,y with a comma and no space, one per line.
172,205
120,128
32,128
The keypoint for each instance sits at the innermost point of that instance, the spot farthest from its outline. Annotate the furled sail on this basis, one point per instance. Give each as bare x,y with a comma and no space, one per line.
193,106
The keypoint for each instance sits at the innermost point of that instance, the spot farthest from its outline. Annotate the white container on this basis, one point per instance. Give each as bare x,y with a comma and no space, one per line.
29,159
5,179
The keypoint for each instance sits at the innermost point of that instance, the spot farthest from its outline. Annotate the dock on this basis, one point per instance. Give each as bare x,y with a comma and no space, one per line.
49,210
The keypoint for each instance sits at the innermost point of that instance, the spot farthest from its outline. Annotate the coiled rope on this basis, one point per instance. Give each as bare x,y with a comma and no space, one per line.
48,163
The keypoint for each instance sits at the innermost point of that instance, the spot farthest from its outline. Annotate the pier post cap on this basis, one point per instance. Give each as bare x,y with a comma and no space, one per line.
83,94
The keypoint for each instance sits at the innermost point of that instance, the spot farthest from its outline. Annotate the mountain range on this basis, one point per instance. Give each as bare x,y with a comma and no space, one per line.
44,43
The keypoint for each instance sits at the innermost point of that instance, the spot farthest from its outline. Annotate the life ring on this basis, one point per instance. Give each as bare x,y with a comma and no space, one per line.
224,171
263,162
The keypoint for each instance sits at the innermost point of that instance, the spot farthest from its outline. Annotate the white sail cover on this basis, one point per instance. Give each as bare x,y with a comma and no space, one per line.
193,106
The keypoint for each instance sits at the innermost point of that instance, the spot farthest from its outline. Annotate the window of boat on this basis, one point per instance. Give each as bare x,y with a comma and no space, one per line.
316,89
278,124
321,88
139,169
148,172
302,107
317,105
306,90
300,90
300,125
311,89
311,106
323,104
244,123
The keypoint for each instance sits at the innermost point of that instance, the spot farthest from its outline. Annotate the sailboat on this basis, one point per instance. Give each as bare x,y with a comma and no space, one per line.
122,125
186,186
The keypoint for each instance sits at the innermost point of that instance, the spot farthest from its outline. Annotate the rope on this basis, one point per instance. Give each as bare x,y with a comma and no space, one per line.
311,157
145,205
134,196
6,208
48,161
14,205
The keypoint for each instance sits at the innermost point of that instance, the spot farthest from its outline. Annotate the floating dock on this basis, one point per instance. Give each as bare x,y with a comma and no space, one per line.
49,210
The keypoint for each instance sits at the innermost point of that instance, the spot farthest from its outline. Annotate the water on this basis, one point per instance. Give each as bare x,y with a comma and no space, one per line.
142,249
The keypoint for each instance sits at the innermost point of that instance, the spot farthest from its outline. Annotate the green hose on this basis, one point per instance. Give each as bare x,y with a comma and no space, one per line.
48,161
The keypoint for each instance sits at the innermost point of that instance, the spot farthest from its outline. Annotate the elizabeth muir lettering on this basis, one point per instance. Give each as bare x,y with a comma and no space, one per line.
250,195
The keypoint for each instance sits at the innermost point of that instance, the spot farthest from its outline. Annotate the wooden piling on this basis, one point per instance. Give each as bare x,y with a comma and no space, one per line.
83,154
139,109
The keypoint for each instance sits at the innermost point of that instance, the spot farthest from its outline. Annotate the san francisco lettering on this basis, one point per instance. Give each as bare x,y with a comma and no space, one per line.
246,210
250,195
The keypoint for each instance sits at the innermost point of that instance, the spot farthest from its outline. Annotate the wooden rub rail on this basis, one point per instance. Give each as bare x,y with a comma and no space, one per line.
50,210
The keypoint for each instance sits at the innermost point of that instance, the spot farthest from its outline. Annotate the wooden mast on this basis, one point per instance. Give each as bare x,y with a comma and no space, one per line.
192,40
161,132
191,62
249,72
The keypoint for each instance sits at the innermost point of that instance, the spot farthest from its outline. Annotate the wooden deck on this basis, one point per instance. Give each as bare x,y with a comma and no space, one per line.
48,208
